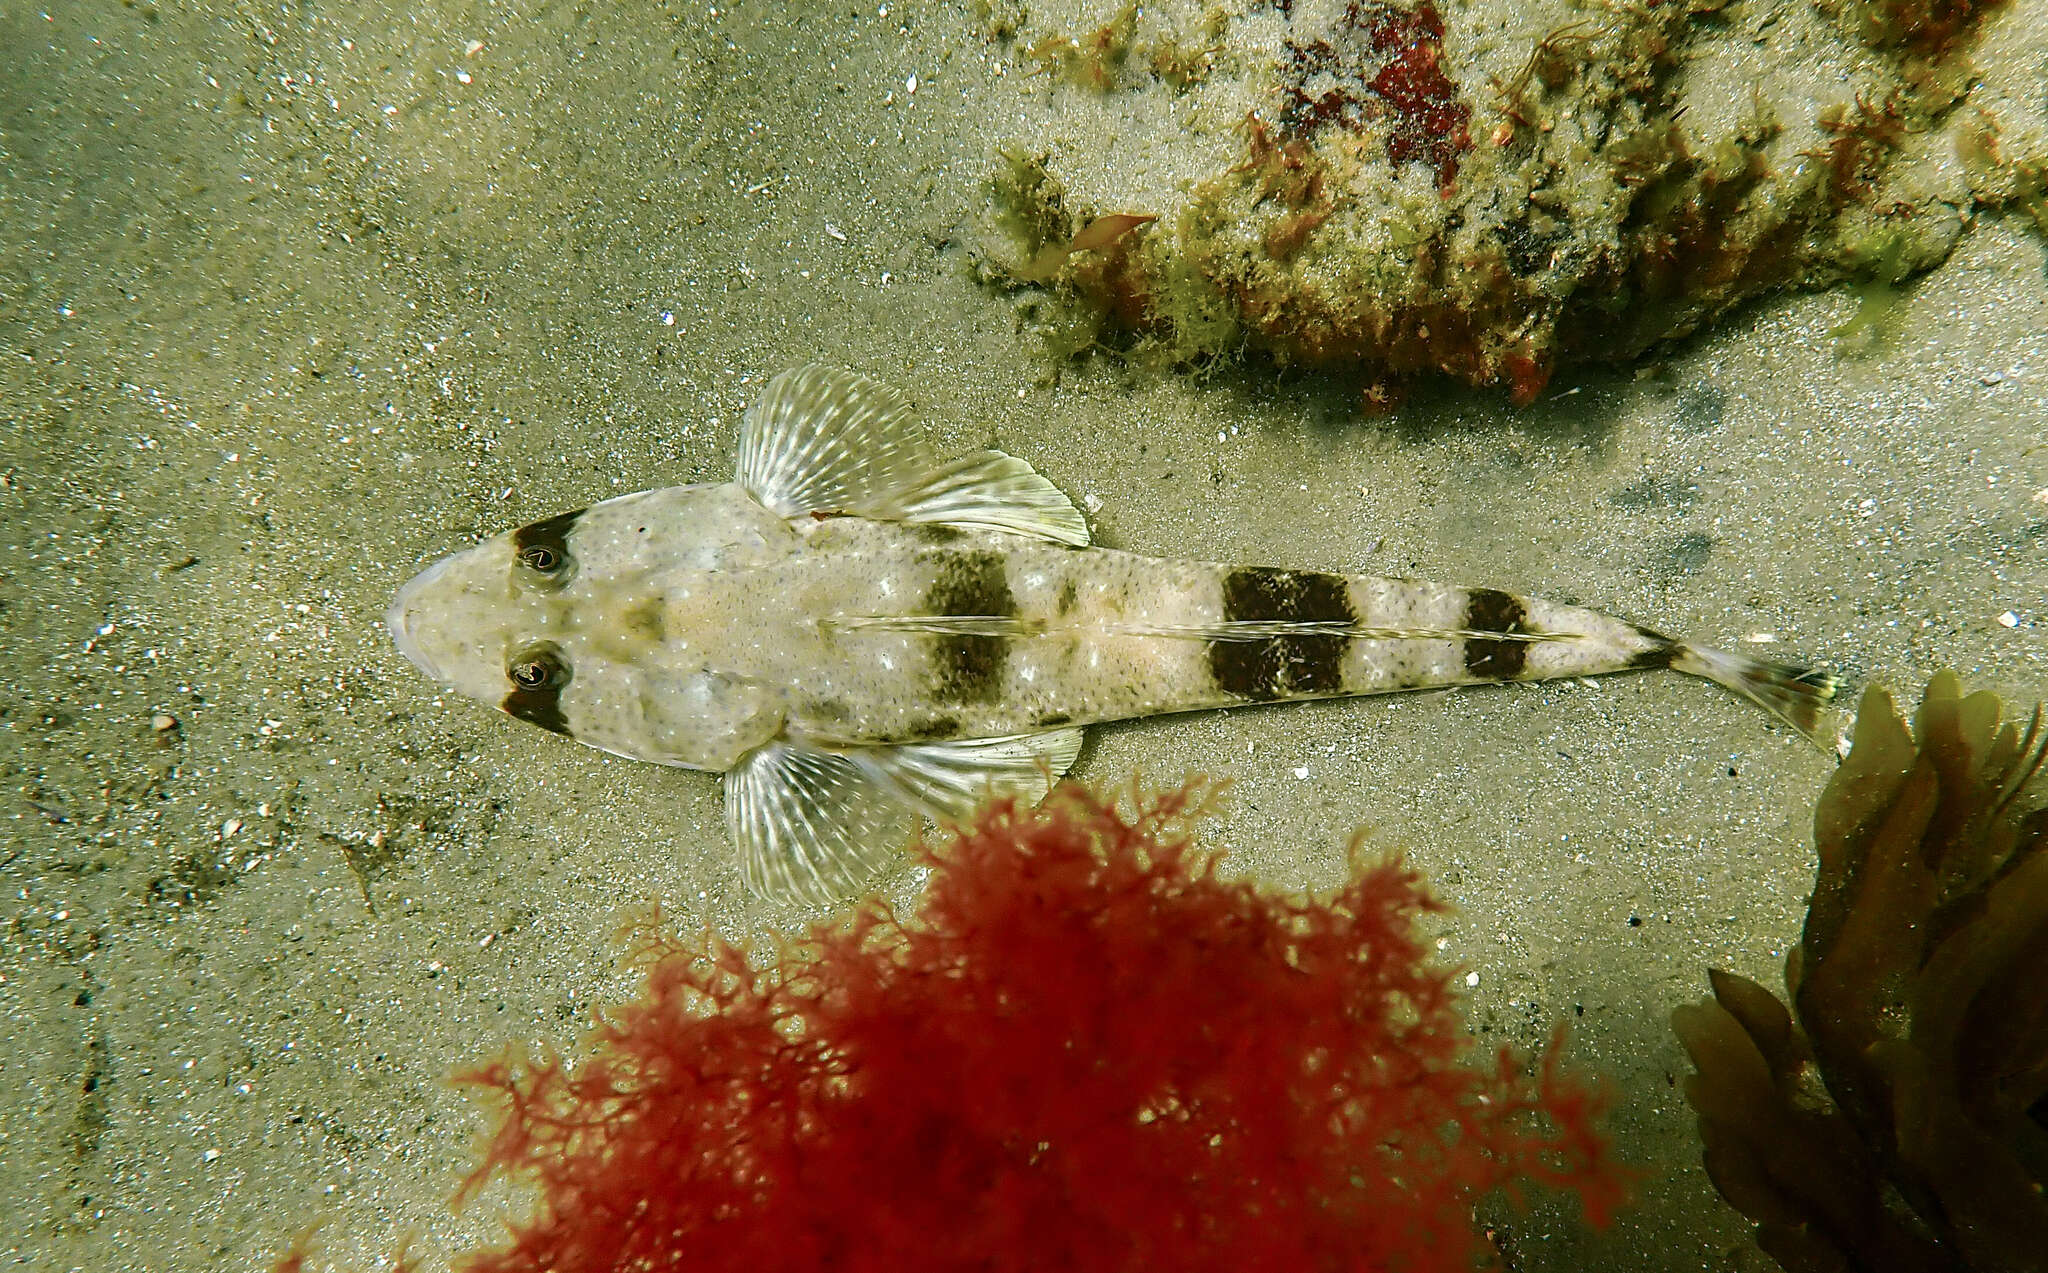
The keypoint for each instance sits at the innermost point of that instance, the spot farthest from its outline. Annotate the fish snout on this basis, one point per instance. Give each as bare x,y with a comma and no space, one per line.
413,622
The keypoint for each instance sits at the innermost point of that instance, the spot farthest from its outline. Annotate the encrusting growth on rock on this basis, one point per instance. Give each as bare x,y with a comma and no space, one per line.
1895,1120
1401,190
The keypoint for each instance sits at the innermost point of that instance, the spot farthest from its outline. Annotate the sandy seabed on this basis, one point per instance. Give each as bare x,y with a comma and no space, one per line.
295,300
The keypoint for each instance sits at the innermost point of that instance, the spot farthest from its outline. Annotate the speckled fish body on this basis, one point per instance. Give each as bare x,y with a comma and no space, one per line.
916,634
857,636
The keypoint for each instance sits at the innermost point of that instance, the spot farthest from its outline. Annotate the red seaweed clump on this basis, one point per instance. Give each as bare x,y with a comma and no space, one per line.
1085,1052
1380,65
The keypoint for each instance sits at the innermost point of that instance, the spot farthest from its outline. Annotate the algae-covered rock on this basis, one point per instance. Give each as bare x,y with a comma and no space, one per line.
1896,1118
1489,191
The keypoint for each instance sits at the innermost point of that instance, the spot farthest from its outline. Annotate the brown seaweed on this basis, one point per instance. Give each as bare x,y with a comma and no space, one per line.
1895,1119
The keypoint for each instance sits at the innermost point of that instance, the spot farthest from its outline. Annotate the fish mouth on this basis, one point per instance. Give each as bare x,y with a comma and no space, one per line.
402,618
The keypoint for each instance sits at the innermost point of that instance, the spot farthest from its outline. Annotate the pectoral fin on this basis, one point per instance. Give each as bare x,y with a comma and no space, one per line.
999,491
813,827
827,441
821,440
948,780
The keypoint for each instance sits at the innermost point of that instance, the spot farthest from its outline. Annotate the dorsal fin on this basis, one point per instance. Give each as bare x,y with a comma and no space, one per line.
821,440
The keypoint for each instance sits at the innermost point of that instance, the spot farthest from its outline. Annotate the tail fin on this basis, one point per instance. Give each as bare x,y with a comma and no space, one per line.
1792,693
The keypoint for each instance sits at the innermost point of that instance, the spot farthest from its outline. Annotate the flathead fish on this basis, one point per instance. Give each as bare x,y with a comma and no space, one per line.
858,634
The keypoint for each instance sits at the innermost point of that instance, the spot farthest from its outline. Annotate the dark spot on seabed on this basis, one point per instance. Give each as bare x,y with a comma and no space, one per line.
1699,409
969,669
1685,555
1278,666
1489,611
1652,491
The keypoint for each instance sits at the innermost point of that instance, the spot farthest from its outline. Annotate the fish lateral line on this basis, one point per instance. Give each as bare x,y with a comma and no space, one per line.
1226,630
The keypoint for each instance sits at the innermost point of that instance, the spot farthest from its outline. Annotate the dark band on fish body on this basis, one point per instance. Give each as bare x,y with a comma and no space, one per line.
1489,611
1658,656
1279,666
543,546
969,669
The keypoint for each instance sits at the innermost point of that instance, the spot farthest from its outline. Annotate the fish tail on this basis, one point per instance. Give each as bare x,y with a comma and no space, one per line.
1793,693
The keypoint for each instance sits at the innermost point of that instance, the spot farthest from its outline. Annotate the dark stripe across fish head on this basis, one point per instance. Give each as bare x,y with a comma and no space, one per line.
542,548
537,677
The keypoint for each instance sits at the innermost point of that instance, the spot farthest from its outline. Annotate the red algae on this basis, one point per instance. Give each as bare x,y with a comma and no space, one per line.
1085,1051
1381,64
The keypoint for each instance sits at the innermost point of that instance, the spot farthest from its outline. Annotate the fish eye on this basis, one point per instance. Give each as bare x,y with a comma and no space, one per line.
539,667
542,549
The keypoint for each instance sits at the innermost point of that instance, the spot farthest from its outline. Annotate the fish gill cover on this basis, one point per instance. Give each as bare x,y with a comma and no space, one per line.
1490,191
1895,1119
1085,1051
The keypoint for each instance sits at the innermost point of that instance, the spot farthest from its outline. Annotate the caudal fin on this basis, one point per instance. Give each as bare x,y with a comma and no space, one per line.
1792,693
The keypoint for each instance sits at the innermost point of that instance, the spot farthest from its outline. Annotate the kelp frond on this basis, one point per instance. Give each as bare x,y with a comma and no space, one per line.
1896,1117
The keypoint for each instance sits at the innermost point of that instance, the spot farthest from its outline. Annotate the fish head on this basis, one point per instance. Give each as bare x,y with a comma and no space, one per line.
587,625
461,618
